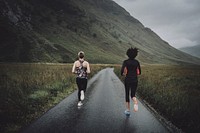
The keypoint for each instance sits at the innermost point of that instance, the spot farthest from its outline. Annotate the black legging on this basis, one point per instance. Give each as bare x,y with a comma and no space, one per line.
82,85
130,86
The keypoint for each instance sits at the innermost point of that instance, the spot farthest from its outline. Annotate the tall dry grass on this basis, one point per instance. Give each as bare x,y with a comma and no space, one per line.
28,90
174,91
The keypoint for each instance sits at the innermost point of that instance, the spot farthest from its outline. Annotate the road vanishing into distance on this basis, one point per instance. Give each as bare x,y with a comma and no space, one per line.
102,112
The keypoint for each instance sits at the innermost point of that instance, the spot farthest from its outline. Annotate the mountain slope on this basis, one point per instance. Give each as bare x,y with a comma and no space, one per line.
194,50
55,30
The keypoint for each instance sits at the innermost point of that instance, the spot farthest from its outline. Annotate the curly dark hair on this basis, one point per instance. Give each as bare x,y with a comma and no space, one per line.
132,53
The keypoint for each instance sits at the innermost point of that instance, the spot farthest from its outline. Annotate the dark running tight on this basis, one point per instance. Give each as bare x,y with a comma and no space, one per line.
82,85
130,86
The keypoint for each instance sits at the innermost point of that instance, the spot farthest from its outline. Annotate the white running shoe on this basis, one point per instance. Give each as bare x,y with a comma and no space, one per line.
82,95
80,103
127,112
135,107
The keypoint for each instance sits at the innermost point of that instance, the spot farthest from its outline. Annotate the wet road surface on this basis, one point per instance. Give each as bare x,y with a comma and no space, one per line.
102,112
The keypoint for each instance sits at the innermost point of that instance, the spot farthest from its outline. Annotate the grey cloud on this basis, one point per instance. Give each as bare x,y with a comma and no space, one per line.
176,21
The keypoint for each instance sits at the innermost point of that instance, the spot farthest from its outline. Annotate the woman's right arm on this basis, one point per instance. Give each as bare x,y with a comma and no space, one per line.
139,68
88,67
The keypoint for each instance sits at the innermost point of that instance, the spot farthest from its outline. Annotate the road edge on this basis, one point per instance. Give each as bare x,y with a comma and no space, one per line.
168,124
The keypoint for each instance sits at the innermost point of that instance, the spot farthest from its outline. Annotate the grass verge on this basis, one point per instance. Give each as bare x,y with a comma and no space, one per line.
174,91
29,90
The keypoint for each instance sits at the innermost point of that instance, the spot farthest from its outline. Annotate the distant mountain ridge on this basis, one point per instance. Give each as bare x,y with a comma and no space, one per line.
193,50
55,30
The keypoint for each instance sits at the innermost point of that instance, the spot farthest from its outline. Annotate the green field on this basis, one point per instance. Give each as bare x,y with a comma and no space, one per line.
29,90
174,91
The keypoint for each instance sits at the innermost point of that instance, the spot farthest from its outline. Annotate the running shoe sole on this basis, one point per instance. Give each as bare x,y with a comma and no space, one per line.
135,107
80,104
82,95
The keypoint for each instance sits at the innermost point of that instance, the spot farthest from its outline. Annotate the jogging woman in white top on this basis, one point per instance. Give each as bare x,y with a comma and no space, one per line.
82,69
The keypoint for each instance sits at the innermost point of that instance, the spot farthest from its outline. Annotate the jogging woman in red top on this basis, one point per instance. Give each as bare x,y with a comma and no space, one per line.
130,69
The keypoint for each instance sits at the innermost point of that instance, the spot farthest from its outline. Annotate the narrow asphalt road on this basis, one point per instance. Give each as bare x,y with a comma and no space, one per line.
102,112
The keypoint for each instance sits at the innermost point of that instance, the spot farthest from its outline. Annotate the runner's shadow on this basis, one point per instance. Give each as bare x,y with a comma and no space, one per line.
127,126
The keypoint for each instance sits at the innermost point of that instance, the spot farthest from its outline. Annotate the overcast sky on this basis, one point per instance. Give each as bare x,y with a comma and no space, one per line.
175,21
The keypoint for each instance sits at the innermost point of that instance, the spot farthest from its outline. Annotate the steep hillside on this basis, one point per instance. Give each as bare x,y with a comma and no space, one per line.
194,50
55,30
